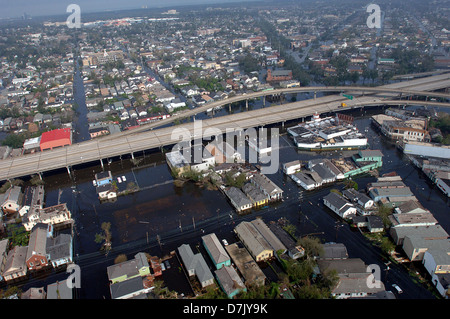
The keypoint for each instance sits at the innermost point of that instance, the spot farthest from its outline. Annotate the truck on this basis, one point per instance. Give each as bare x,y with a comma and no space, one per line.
343,104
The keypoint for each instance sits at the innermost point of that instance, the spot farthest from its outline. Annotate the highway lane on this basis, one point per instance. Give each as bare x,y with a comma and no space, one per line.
129,142
408,87
95,150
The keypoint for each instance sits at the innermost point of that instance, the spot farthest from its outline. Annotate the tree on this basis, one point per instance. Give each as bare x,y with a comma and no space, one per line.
105,236
384,211
387,245
120,259
312,245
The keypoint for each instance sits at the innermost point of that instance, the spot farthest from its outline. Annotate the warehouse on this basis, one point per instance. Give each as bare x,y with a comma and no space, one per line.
56,138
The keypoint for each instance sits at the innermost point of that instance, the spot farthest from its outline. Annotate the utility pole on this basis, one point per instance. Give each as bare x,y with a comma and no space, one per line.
159,241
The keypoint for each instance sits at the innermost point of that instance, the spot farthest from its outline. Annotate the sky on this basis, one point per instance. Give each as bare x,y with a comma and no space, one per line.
16,8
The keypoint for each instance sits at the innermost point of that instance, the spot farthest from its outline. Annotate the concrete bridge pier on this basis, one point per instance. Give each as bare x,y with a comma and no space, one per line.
68,171
229,107
264,100
132,155
246,104
101,163
315,94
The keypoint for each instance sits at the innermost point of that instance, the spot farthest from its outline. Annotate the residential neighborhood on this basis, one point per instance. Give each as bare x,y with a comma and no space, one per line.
321,171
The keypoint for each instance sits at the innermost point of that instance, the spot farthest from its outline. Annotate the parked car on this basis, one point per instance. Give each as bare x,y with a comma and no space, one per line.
399,290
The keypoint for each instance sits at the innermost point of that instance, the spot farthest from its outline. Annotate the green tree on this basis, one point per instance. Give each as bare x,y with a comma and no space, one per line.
104,237
312,245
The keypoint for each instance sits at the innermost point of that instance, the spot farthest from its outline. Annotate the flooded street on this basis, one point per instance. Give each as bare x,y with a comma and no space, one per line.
161,217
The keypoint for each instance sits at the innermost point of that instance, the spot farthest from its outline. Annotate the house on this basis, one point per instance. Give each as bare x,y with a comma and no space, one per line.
133,288
229,281
37,247
12,200
177,161
15,266
33,197
375,224
223,152
255,195
103,178
136,267
292,167
304,180
410,206
398,234
412,219
325,174
238,199
107,191
255,243
364,204
442,284
216,251
59,250
249,269
436,258
141,111
353,278
333,251
200,158
294,251
55,215
196,265
339,205
416,246
4,244
274,242
98,131
268,187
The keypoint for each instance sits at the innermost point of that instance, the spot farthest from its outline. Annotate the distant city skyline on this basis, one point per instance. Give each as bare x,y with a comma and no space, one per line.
16,8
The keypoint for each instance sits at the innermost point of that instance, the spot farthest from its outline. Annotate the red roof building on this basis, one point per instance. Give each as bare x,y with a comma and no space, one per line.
56,138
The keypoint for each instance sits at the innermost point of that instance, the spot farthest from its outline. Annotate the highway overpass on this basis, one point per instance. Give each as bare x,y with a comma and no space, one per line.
134,141
420,87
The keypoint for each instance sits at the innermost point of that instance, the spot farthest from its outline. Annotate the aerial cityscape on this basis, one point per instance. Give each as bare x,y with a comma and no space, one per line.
258,150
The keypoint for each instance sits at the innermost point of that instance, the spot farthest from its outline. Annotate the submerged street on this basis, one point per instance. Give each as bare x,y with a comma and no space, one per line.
180,215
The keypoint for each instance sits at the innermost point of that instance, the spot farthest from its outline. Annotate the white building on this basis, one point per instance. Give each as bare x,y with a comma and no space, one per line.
339,205
292,167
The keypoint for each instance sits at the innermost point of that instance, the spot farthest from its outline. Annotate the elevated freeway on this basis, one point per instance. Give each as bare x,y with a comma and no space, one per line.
423,87
145,139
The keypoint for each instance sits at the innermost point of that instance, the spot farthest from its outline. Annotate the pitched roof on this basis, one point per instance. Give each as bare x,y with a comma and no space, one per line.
37,244
229,279
216,250
15,261
195,262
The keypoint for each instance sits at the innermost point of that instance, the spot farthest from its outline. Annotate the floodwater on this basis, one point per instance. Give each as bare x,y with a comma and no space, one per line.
178,215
